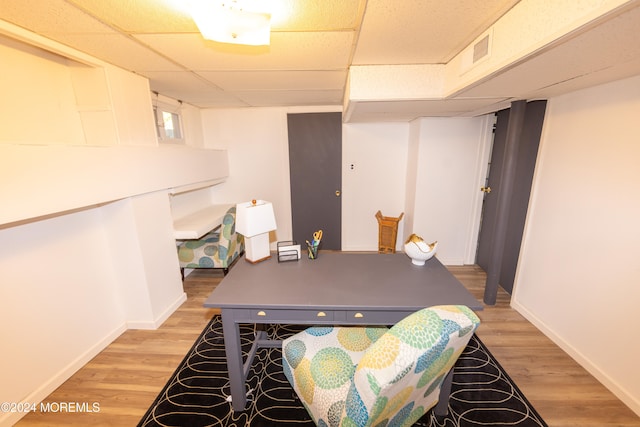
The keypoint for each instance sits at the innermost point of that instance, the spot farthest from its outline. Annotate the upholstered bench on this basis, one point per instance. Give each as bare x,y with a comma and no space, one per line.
219,248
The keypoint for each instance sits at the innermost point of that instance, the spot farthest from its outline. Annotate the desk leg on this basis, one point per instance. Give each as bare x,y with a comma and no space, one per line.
233,350
442,407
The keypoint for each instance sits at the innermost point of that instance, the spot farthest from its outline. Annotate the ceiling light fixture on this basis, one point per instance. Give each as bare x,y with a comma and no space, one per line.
233,21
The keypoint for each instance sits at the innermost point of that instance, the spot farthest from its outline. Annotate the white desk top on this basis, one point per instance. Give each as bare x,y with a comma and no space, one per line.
197,224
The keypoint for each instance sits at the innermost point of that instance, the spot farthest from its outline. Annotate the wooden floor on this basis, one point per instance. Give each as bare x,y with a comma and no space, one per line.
126,377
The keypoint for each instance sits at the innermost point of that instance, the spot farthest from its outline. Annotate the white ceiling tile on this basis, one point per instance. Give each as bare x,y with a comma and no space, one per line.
141,16
314,15
186,85
315,42
186,80
51,16
535,75
422,31
288,51
118,49
291,98
277,80
171,16
410,110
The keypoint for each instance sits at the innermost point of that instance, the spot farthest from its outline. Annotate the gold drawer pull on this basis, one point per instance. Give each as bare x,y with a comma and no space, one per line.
358,315
262,313
321,314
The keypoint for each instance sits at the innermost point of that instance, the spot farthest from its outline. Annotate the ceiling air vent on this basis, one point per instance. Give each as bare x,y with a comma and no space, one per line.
476,52
481,49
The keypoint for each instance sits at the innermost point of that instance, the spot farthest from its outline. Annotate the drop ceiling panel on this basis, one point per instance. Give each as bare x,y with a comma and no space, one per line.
410,110
171,16
51,16
288,51
601,50
314,15
276,80
423,31
314,42
186,84
141,16
291,97
119,50
620,71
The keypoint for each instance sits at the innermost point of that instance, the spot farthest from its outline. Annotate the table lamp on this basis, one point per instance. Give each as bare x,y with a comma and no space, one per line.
254,220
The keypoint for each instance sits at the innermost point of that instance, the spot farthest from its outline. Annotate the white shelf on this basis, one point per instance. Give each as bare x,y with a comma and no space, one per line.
197,224
196,186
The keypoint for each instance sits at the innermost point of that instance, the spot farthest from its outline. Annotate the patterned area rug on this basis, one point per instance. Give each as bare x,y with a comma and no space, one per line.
196,395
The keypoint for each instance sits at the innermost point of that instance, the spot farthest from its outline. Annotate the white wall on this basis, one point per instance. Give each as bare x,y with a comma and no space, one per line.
144,262
452,159
413,152
378,152
256,140
87,247
257,143
49,100
130,99
58,303
579,275
445,170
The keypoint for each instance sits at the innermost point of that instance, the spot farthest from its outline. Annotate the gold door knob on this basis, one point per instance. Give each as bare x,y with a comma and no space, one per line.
337,193
486,190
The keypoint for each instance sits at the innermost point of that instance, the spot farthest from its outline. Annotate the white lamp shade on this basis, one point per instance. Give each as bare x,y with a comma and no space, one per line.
252,220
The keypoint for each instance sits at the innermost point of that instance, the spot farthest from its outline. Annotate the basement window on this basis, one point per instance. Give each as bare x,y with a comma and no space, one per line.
168,123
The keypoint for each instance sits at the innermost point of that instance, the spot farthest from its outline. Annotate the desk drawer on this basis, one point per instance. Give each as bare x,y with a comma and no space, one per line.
375,317
292,316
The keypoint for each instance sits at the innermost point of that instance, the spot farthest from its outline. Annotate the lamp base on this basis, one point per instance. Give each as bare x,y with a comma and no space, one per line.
256,248
257,260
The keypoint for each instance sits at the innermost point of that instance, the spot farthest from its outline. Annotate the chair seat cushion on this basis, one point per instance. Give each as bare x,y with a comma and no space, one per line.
217,249
319,363
203,253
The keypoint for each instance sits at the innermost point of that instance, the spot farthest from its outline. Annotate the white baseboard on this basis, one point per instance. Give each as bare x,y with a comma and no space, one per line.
621,393
450,261
366,248
158,321
38,395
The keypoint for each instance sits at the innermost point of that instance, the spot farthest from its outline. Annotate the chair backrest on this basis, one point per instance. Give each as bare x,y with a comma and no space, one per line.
399,377
229,241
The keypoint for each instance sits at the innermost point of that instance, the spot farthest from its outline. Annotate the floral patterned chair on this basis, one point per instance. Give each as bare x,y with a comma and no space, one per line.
219,248
370,376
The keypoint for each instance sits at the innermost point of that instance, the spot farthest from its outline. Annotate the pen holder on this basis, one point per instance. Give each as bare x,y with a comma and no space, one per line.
312,251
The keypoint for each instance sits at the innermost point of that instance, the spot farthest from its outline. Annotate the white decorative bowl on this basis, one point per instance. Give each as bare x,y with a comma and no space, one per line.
420,251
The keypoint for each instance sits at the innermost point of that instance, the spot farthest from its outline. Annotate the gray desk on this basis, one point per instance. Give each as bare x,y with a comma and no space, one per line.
336,288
